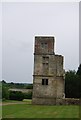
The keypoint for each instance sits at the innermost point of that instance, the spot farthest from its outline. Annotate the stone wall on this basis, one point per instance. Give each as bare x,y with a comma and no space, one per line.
55,65
71,101
40,41
44,101
48,66
53,101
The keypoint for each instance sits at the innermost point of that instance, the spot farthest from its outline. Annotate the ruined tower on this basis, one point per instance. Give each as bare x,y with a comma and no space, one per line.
48,76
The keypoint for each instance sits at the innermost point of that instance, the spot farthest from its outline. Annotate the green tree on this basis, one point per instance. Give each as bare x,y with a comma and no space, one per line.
29,86
3,81
28,95
79,75
16,95
79,70
5,93
72,84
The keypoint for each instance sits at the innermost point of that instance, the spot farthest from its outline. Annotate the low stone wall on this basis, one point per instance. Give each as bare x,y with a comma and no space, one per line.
50,101
21,90
71,101
43,101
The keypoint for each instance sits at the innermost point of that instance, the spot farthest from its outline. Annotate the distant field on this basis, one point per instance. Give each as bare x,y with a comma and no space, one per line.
27,110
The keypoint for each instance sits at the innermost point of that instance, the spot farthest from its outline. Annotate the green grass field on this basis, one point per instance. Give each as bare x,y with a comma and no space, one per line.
27,110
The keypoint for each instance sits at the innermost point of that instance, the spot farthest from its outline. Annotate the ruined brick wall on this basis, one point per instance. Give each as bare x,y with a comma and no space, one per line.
48,77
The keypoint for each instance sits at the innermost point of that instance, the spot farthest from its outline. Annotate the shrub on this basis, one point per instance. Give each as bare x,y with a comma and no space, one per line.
30,86
5,93
28,95
16,95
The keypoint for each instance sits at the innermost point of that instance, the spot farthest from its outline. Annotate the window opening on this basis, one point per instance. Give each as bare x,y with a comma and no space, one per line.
44,45
44,81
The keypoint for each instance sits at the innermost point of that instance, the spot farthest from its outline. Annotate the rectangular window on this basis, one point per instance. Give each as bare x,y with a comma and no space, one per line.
45,64
44,81
45,59
44,45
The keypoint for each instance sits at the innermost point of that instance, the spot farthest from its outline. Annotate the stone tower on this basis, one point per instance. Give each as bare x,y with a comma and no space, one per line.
48,77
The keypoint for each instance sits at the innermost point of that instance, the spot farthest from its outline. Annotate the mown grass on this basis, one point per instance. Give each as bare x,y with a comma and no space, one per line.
28,101
39,111
0,111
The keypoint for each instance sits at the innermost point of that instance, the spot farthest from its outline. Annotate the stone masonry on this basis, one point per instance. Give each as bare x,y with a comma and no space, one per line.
48,77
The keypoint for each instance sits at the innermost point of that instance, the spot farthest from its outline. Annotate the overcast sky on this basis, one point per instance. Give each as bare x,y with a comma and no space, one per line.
22,21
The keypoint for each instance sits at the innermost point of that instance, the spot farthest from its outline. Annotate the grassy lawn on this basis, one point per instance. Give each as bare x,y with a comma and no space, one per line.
0,112
28,101
39,111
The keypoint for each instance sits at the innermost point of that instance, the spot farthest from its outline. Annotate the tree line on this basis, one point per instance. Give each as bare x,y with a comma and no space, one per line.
73,83
15,95
72,87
